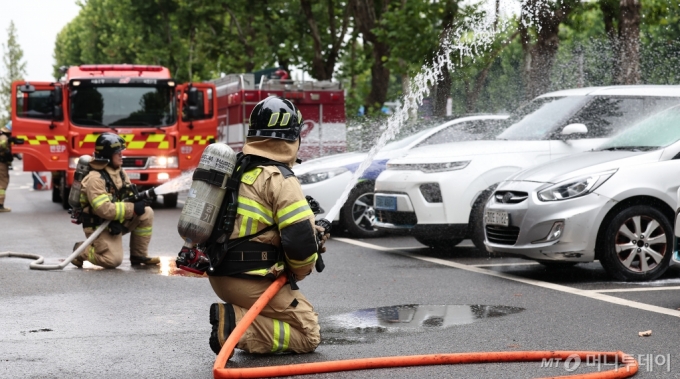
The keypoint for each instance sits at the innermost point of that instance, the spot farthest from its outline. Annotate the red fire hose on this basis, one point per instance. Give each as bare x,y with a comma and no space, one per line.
629,368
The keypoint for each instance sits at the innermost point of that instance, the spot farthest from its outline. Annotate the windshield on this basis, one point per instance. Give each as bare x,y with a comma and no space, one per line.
123,106
406,141
652,133
536,120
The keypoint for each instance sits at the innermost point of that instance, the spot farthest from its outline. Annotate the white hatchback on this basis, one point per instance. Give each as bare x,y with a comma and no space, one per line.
326,178
439,192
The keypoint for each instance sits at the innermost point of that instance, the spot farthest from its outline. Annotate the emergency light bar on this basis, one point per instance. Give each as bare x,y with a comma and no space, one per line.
119,67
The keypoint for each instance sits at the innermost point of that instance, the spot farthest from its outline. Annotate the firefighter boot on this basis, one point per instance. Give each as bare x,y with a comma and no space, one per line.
4,208
223,320
77,261
141,228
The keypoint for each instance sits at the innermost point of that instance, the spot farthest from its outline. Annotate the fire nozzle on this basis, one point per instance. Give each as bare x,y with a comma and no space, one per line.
144,195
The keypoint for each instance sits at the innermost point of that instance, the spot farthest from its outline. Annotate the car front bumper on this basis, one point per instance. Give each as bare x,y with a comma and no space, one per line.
531,220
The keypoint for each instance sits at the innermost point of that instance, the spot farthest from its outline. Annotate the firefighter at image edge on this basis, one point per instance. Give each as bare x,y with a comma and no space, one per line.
268,195
101,198
6,158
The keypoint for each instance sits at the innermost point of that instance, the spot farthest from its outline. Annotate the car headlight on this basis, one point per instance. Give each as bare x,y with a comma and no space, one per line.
575,187
429,167
163,162
320,175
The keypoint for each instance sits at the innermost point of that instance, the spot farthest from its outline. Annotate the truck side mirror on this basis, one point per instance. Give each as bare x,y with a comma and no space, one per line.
27,88
57,95
192,97
57,113
194,112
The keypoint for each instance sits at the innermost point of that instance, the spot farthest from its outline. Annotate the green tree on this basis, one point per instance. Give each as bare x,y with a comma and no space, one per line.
14,69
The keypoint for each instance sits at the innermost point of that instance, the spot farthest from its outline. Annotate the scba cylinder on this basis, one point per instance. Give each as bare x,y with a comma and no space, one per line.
82,169
207,191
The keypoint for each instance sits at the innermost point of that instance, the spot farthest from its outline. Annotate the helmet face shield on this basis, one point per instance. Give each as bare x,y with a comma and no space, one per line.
275,118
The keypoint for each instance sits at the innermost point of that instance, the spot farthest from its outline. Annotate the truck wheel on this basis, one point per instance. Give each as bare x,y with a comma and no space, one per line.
56,196
64,191
170,200
358,215
637,244
440,243
476,223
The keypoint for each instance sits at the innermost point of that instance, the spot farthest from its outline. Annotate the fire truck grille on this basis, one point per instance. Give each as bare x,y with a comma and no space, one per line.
135,162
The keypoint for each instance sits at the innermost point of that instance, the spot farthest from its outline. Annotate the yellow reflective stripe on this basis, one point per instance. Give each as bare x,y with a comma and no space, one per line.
120,211
2,192
285,119
273,119
277,335
281,337
99,200
248,227
292,213
91,255
143,232
254,210
297,264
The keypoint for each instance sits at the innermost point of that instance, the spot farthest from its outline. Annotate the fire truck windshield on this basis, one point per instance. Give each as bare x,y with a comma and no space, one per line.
123,105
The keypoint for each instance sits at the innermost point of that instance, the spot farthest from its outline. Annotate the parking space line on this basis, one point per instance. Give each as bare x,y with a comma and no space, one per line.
507,264
537,283
644,289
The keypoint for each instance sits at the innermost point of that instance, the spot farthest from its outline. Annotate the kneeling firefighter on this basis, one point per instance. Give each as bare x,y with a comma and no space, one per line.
101,198
273,233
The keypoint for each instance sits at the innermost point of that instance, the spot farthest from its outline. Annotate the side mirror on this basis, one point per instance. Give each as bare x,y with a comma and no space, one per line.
27,88
57,95
574,129
57,113
192,97
194,112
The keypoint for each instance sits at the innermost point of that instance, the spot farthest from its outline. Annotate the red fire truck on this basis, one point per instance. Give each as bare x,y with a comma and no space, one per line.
166,125
321,103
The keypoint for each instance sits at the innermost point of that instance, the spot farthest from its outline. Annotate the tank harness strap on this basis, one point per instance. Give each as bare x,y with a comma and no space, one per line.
214,177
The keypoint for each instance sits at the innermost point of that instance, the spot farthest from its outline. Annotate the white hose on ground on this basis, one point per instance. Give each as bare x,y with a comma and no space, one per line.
37,263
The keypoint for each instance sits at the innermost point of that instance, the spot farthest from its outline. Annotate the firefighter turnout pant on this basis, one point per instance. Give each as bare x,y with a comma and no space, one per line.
4,181
107,249
287,323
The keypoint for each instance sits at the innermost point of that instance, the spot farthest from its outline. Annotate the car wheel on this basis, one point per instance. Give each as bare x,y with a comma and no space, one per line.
440,243
64,192
358,215
476,223
170,200
637,244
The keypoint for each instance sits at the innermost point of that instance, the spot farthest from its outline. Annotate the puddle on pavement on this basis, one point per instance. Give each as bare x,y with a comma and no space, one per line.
413,317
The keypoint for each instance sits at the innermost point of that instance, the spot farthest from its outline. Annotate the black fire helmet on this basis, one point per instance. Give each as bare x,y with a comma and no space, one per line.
106,145
275,117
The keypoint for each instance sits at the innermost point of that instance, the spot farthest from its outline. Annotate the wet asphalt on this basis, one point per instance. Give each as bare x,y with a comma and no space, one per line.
153,323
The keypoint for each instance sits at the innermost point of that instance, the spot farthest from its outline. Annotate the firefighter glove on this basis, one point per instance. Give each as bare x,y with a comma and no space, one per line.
322,237
139,208
115,228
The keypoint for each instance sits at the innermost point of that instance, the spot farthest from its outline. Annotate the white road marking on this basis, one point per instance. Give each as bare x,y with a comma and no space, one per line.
639,289
180,202
507,264
537,283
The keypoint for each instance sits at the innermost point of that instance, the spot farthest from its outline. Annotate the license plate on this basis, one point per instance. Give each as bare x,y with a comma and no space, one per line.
496,218
133,175
386,202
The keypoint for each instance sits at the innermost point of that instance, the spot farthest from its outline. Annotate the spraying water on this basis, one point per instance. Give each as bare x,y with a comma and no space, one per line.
180,183
466,40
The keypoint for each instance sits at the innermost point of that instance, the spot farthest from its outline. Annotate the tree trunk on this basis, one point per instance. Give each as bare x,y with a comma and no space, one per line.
629,35
365,19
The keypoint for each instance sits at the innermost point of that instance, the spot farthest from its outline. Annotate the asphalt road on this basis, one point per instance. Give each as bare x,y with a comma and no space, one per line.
382,297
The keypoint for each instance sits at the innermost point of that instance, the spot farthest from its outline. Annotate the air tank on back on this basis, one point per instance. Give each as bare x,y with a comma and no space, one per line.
82,169
207,191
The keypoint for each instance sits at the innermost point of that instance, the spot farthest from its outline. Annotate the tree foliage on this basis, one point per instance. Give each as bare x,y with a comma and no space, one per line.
14,69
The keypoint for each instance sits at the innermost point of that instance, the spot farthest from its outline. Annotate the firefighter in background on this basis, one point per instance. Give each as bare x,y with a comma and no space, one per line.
269,195
101,197
6,158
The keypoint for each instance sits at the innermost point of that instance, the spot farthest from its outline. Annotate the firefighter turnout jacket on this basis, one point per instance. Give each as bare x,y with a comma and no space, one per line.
271,195
106,203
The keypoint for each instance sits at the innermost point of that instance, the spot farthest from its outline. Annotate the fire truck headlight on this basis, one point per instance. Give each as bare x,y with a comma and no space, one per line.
73,162
163,162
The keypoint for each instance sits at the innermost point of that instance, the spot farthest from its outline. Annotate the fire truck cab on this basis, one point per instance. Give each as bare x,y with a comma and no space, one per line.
322,104
166,125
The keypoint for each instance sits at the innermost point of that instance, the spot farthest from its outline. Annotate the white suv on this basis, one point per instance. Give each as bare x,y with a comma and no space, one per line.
439,192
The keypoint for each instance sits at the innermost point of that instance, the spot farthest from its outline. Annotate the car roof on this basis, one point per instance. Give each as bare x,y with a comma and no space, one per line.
636,90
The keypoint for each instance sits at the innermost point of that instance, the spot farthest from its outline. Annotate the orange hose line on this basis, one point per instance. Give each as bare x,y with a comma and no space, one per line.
629,368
